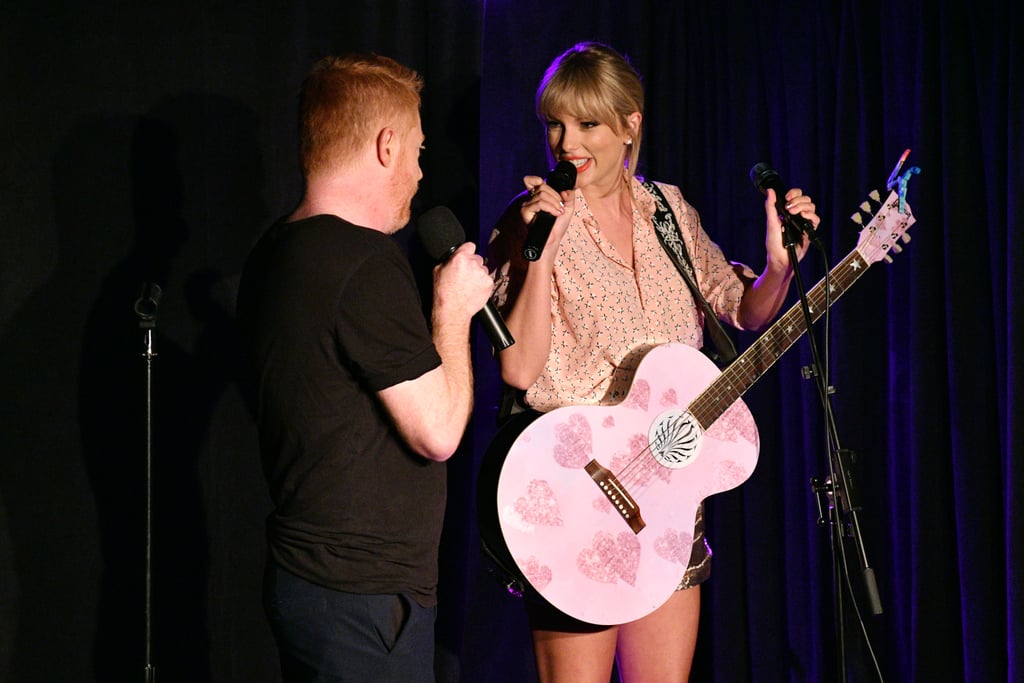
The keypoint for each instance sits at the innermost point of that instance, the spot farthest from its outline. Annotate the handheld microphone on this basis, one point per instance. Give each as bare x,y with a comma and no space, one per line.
441,234
561,178
764,178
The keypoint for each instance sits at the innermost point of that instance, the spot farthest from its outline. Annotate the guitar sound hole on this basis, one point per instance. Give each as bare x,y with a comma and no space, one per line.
675,438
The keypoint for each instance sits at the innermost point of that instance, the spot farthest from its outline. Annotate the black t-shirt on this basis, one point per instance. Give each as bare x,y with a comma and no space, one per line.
330,314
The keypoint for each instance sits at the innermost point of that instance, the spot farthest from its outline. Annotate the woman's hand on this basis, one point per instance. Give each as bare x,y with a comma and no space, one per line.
797,204
543,197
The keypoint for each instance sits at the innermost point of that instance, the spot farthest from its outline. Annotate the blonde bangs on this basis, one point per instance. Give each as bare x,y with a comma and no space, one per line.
581,95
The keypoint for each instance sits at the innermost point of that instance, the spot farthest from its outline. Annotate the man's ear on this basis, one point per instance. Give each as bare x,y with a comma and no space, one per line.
386,146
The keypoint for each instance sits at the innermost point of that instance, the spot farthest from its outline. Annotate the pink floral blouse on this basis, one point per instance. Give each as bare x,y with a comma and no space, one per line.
605,315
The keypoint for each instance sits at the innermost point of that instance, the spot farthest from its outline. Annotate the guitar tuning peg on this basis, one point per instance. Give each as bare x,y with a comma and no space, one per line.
888,259
865,207
906,238
857,218
896,247
875,196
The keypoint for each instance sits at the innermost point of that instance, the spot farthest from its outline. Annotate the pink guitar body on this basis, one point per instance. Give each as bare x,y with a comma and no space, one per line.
569,538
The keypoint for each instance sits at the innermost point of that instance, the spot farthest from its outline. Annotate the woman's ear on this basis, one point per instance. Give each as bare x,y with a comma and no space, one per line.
633,123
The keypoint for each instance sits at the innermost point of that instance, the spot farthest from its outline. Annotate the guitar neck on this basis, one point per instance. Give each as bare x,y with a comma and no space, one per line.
777,339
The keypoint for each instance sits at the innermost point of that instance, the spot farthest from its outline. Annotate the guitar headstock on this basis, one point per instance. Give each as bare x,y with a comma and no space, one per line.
886,229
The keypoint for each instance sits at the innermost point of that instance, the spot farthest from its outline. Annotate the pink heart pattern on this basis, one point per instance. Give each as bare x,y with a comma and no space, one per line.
639,462
674,546
539,506
574,444
609,558
539,575
726,475
733,424
639,395
729,474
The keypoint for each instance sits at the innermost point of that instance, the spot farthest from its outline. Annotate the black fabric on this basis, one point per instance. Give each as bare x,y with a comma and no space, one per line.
329,313
326,635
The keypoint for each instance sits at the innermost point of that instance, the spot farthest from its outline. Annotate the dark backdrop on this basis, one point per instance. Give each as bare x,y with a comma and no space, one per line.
155,143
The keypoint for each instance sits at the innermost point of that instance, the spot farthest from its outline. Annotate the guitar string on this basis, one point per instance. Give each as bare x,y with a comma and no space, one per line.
635,476
723,392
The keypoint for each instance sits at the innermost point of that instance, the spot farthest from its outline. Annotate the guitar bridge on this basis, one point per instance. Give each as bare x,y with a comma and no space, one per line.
616,495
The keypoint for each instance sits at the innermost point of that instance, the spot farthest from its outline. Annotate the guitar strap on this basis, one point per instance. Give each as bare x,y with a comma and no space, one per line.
671,238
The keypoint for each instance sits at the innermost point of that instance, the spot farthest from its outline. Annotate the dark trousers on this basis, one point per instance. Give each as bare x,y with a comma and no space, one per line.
325,635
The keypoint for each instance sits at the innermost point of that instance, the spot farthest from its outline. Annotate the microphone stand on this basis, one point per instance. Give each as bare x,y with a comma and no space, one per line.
839,485
145,309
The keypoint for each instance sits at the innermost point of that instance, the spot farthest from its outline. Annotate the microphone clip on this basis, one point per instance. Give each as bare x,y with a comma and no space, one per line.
794,228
